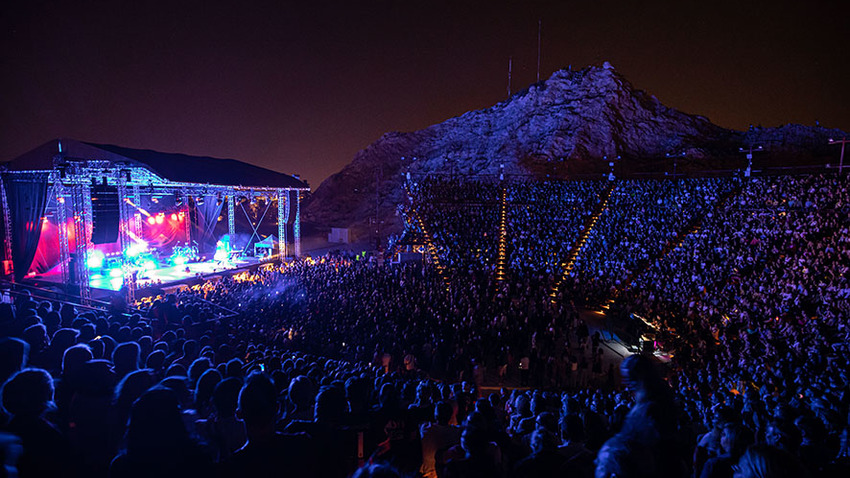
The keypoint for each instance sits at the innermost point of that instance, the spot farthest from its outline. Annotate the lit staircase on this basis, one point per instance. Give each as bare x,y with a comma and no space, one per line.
576,249
502,261
432,250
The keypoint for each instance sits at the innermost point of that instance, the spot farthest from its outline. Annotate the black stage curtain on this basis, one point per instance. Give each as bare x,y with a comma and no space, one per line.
27,197
206,217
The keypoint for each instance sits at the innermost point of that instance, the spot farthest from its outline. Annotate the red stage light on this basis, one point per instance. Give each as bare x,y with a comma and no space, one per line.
160,218
151,220
173,217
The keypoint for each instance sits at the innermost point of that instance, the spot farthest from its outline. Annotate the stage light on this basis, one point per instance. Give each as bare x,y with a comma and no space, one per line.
136,249
148,265
174,217
180,260
160,218
95,259
115,272
151,220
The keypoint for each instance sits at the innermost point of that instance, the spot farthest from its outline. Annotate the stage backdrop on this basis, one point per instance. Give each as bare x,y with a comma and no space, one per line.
27,199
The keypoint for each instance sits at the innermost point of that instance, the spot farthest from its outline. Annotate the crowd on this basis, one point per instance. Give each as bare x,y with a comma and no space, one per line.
463,218
544,221
642,217
336,366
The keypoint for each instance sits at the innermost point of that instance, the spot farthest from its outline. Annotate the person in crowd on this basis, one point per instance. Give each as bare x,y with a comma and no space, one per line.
26,397
158,443
437,437
267,451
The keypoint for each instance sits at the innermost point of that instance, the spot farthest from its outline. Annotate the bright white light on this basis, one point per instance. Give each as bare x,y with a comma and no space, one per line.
95,259
137,248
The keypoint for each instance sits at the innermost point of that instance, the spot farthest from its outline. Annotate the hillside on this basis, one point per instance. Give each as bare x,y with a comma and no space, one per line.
569,125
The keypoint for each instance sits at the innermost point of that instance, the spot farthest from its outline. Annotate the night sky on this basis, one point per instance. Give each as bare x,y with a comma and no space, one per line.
300,87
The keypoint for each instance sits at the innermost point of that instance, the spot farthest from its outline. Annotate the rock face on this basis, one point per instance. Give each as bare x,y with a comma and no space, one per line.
571,125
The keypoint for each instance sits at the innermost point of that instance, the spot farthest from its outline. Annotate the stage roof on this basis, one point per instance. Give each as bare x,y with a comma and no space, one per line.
174,167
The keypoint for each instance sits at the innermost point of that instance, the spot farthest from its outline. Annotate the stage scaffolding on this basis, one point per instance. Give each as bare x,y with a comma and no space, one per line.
71,181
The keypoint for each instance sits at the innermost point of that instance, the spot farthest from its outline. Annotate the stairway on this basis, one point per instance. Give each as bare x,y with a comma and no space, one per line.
502,261
432,250
576,249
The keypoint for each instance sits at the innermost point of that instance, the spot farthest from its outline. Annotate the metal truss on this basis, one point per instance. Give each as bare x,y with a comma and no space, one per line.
296,226
281,224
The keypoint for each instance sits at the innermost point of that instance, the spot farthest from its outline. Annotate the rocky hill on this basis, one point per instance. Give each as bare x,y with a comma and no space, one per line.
571,125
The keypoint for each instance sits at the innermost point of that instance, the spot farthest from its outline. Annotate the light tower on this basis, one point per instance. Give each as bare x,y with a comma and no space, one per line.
842,142
676,157
749,152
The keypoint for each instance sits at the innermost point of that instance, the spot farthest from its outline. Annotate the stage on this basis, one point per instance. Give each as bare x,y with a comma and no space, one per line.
162,277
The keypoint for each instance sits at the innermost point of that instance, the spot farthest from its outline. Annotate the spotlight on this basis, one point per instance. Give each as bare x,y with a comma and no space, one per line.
174,217
151,220
160,218
95,259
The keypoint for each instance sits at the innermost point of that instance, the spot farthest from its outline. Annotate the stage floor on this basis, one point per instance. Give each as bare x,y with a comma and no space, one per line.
167,275
163,276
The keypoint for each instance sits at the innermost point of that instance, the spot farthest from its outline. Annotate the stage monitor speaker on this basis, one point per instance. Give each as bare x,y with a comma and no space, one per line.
105,215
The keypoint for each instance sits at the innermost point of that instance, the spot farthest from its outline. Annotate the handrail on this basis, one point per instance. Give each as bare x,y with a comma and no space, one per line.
48,291
80,306
60,296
